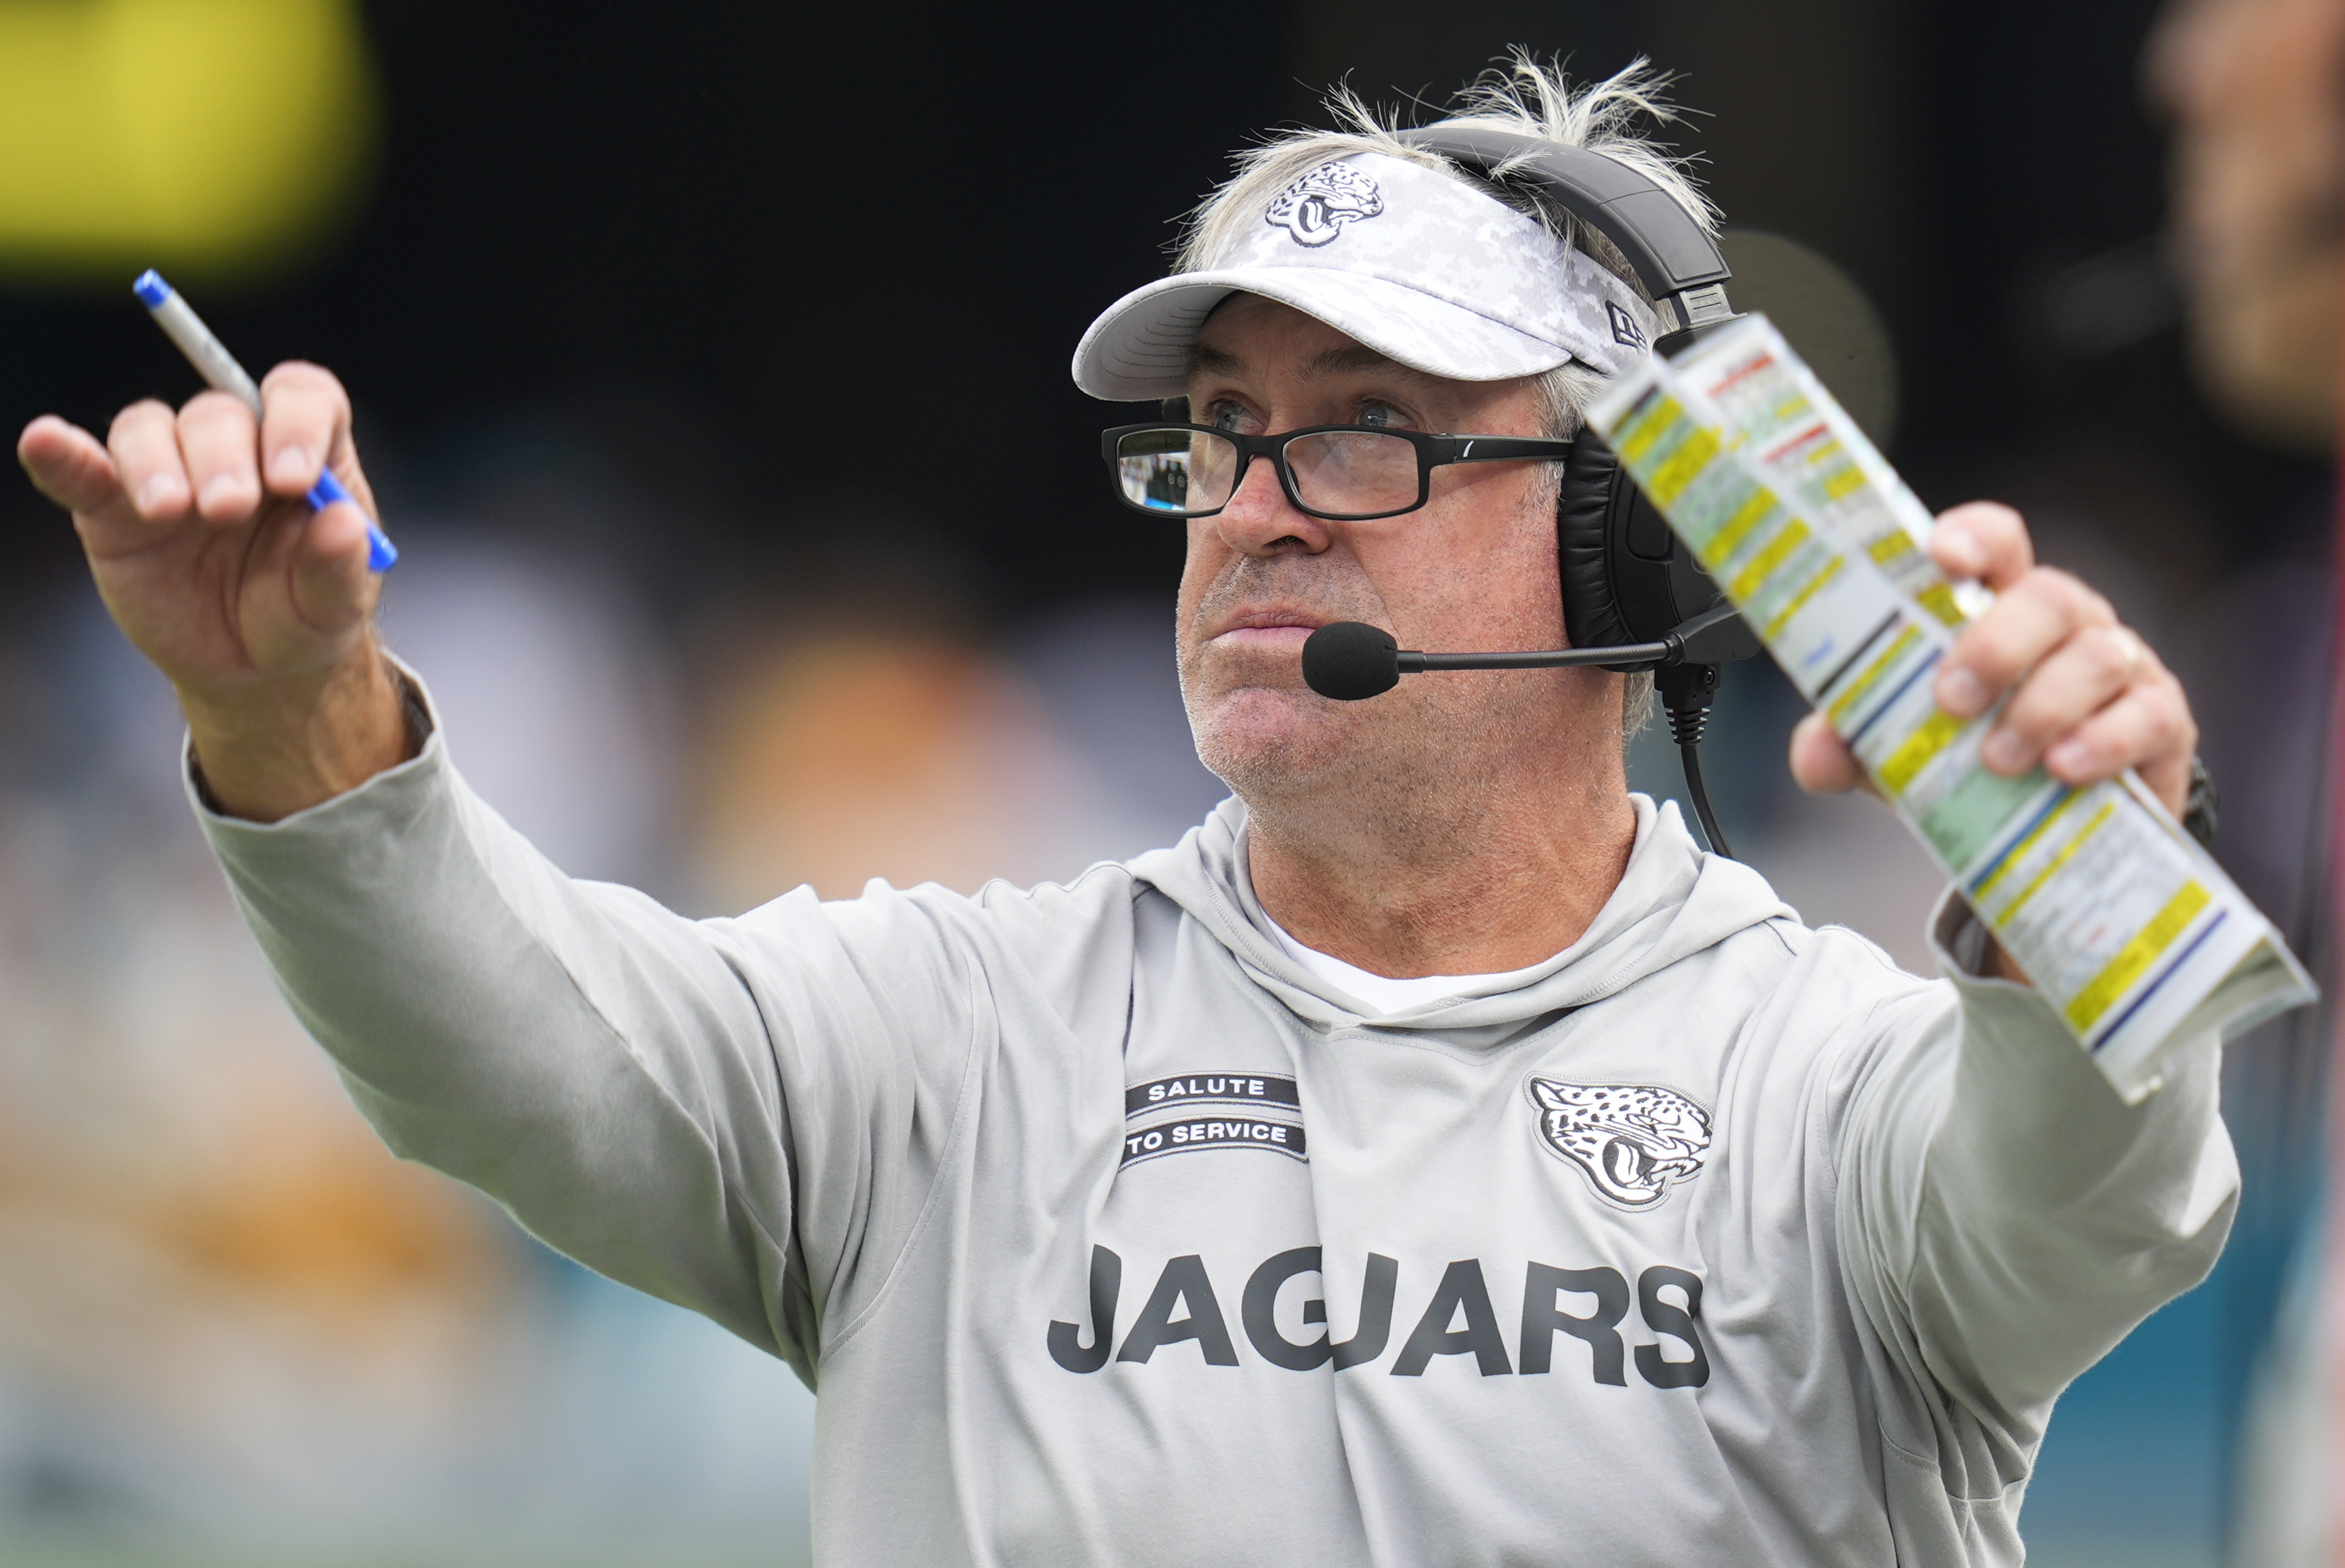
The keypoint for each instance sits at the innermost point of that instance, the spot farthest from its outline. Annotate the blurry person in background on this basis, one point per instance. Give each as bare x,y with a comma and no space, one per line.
2255,93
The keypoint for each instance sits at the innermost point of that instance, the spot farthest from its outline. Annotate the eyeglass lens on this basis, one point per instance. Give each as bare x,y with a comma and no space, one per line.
1346,472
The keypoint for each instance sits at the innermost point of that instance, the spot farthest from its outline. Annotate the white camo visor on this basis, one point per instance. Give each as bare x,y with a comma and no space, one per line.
1418,266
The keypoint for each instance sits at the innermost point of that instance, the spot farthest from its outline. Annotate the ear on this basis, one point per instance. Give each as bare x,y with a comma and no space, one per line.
1548,1096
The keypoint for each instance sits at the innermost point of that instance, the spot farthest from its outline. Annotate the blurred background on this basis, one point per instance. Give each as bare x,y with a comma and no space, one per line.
710,363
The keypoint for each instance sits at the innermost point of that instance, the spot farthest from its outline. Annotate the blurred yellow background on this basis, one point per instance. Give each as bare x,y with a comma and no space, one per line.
156,132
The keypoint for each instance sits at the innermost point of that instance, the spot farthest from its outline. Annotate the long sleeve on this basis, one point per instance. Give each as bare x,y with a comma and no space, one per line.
741,1116
2005,1219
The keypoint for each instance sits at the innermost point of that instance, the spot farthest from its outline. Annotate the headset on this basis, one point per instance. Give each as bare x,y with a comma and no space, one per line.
1625,578
1630,587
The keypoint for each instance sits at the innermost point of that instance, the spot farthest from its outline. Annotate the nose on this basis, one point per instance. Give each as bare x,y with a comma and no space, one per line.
1260,522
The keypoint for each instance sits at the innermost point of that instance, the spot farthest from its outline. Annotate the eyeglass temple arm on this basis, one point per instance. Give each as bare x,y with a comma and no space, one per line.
1506,449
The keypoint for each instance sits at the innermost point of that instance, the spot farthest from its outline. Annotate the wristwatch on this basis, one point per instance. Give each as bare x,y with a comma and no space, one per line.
2200,807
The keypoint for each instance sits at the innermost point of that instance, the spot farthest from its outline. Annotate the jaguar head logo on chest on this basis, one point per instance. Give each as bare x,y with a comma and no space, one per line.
1630,1140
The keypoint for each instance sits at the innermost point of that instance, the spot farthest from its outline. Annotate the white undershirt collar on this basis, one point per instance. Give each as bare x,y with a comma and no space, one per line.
1388,995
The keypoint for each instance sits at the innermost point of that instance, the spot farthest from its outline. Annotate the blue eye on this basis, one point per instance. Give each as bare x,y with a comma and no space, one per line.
1380,416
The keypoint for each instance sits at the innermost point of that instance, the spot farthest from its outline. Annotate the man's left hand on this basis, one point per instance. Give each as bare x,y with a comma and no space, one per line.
2091,699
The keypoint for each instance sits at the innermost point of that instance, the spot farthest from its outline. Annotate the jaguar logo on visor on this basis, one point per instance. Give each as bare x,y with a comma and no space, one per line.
1315,209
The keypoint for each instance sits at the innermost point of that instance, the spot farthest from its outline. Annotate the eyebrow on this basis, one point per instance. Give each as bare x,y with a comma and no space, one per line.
1353,356
1203,358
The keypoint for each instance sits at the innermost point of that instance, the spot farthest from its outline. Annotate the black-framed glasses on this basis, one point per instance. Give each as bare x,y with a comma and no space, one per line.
1343,473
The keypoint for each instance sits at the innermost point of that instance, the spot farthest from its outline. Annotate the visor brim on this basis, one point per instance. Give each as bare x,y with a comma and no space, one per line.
1139,347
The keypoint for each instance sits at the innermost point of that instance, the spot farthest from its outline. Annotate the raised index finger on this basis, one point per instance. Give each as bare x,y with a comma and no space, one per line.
305,421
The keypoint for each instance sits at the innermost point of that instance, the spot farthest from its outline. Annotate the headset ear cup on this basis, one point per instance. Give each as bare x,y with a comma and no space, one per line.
1584,503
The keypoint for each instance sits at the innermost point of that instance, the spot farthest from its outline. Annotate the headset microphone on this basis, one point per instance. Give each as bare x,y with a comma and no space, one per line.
1351,661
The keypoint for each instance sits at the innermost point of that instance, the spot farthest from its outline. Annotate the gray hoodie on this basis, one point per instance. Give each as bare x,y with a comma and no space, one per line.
1115,1238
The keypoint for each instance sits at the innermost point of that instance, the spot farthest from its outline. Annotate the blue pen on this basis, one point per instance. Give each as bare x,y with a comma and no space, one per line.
220,371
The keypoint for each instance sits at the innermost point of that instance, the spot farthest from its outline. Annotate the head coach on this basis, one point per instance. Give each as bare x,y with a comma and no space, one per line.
1435,1157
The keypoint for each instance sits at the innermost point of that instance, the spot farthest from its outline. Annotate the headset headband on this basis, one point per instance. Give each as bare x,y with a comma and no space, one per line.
1673,257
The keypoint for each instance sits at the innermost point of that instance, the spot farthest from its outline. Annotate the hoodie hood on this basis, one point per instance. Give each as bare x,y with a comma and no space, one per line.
1673,900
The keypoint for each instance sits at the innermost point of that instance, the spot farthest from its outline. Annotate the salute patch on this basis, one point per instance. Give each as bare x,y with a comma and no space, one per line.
1238,1088
1213,1132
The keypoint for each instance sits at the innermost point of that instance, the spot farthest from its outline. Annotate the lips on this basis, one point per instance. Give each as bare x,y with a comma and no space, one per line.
1268,625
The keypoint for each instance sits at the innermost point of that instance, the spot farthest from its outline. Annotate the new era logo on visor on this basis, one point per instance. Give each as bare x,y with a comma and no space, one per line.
1625,330
1315,209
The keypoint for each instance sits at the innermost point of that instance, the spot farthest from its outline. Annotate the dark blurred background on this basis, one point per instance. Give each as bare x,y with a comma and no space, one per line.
710,361
767,256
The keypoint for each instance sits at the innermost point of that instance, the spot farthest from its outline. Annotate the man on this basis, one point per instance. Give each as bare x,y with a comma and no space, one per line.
1433,1159
2255,90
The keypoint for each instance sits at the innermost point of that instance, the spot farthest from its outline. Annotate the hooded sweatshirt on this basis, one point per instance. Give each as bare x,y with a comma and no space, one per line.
1112,1236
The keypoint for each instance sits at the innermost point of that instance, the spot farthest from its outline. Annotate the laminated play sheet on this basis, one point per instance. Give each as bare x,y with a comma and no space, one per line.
2128,928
